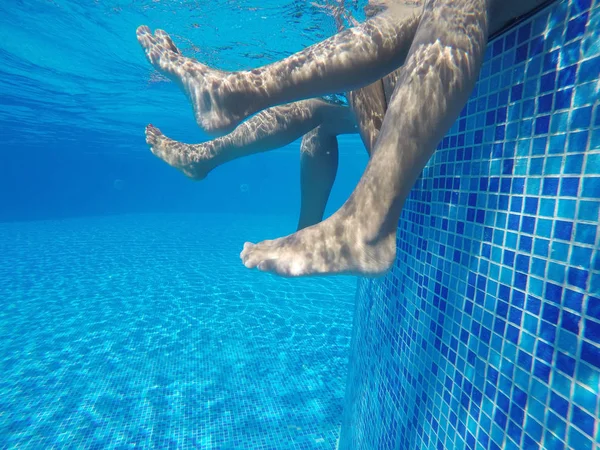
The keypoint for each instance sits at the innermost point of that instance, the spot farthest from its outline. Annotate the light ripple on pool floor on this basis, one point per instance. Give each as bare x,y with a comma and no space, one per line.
148,331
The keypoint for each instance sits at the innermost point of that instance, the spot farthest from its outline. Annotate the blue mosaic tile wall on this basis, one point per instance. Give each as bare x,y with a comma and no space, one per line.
486,333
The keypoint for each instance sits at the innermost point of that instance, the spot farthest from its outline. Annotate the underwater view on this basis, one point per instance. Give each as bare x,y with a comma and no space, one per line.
296,224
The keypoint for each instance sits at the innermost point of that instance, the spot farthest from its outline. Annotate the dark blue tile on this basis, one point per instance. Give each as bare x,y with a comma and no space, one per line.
547,82
521,54
569,187
533,305
542,371
563,99
514,431
550,186
497,47
593,307
544,104
570,321
565,363
510,40
577,277
559,405
576,27
501,115
531,205
524,360
553,293
520,281
591,354
516,92
550,312
512,334
542,125
524,32
592,331
583,420
563,230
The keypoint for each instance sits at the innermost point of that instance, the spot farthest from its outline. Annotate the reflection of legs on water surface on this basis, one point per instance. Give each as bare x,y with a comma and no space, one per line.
433,86
268,130
348,60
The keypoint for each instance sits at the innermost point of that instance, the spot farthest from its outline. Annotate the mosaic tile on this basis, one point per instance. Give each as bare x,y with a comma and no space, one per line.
486,332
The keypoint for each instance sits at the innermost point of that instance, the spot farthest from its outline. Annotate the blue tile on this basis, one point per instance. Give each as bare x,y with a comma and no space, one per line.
578,277
574,165
576,27
563,99
550,61
511,230
583,420
516,92
563,230
524,32
591,187
566,77
581,118
550,186
548,81
592,331
589,70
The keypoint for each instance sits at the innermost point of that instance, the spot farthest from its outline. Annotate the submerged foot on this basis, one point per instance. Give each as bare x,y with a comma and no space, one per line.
195,161
204,86
335,246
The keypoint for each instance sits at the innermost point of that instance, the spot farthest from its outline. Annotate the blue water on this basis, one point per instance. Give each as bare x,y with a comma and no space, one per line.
126,317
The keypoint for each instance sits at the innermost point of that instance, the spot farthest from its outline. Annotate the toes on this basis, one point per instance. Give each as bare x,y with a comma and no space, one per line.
152,135
145,37
246,253
142,29
166,41
268,265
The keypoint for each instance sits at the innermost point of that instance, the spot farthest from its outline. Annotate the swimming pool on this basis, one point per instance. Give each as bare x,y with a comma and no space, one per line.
127,319
141,330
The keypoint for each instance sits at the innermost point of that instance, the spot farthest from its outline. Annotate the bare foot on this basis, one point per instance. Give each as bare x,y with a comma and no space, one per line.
215,112
339,245
195,161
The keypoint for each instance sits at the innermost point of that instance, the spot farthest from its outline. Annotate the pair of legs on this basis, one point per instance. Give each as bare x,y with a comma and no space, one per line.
320,123
441,46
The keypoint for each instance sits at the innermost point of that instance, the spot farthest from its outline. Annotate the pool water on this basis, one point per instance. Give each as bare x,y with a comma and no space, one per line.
147,331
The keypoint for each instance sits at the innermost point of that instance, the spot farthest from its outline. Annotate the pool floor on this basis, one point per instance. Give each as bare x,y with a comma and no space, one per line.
146,331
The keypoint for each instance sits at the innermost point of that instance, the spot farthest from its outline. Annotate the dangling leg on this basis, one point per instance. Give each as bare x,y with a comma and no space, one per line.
369,106
350,59
318,168
268,130
368,103
440,72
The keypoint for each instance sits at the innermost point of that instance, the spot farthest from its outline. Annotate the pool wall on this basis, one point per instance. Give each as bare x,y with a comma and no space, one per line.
486,333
